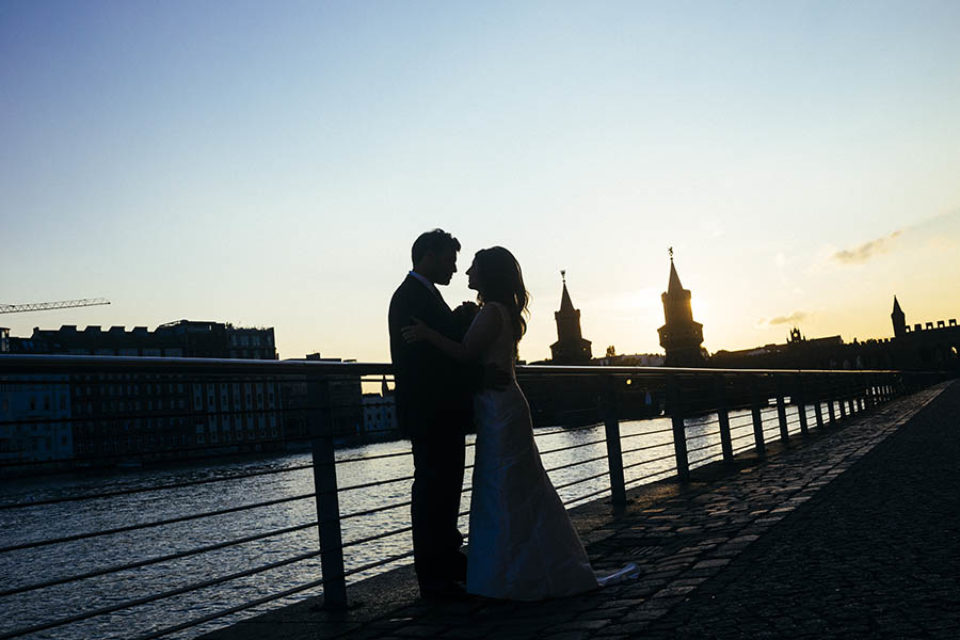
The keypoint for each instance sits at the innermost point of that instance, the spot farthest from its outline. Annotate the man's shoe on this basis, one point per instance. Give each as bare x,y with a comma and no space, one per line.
452,592
458,563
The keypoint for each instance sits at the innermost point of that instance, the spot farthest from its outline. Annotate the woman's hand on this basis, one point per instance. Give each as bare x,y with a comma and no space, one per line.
417,331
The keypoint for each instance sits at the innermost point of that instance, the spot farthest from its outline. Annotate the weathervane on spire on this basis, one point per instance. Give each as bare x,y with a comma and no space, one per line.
563,274
670,251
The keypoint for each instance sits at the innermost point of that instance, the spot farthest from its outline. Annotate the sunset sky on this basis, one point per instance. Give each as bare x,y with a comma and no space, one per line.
269,164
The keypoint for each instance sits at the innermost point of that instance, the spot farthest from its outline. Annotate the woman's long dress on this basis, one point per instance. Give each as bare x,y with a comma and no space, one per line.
522,543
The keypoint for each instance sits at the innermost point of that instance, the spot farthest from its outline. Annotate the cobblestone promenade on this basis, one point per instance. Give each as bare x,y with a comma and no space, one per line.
855,534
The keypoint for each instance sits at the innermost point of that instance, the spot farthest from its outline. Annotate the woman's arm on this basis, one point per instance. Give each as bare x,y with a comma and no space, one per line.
481,334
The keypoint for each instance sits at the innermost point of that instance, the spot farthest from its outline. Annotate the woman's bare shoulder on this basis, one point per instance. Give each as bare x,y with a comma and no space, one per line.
490,315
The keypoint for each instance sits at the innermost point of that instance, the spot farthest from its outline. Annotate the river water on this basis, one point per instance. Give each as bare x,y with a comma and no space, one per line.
361,465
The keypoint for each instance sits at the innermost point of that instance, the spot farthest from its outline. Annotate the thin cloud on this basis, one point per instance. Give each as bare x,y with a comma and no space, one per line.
794,318
867,250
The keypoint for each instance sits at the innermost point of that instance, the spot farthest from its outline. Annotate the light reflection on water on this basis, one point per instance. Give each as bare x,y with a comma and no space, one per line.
29,566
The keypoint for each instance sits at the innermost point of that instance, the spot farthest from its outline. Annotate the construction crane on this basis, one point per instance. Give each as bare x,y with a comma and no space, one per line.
46,306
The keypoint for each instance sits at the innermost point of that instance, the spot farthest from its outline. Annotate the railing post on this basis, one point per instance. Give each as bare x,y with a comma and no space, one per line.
861,393
842,396
847,402
611,423
757,418
818,404
679,432
723,417
851,388
325,485
782,412
800,401
869,391
830,395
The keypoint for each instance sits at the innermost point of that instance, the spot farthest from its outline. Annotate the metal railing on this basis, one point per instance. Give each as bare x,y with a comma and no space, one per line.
685,418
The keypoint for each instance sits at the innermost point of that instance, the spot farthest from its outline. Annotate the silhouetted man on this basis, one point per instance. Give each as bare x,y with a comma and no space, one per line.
434,408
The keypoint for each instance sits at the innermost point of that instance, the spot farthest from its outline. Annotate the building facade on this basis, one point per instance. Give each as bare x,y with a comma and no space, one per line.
342,399
35,419
380,414
119,417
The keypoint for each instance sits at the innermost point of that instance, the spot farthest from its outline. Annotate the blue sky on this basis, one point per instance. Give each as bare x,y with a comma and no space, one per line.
270,164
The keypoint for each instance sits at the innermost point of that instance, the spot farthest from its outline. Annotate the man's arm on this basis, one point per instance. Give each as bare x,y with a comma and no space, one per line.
482,333
462,319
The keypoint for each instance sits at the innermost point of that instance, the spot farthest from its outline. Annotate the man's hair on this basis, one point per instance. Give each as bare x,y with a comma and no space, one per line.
436,241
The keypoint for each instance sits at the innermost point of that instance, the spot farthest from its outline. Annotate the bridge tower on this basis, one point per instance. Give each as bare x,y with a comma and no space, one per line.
570,347
680,335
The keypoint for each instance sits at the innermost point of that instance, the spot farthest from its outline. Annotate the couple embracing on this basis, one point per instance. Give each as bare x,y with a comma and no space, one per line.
454,371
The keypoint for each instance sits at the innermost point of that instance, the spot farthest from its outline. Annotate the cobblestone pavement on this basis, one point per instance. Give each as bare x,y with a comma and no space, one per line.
854,534
874,555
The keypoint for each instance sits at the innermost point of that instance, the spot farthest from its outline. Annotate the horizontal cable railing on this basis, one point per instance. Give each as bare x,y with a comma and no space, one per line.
176,485
362,498
156,560
648,447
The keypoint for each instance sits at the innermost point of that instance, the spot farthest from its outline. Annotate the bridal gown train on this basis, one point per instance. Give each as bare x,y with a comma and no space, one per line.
522,543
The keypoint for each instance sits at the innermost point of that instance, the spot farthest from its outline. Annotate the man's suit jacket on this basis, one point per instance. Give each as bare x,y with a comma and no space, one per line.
433,391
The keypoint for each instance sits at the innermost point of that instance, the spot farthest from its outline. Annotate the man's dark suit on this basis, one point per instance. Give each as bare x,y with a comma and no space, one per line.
434,408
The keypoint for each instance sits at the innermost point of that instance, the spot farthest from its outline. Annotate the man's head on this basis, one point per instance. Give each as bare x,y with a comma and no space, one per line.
434,256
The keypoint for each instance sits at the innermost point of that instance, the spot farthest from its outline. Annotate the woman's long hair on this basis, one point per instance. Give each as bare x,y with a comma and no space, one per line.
499,279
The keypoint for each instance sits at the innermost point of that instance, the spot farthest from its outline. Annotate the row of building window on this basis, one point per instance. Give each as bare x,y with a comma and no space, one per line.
239,436
134,389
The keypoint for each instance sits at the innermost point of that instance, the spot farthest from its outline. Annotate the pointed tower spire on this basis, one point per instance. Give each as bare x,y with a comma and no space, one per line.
898,318
674,287
566,304
570,347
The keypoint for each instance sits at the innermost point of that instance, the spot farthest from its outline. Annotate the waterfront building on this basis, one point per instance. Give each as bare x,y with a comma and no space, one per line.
570,347
797,352
932,345
924,346
183,338
341,396
632,360
380,414
249,343
35,419
134,416
680,335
